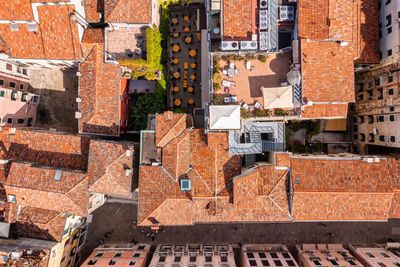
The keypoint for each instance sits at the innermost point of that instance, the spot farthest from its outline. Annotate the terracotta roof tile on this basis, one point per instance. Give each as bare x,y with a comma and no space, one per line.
313,19
237,18
92,9
40,223
169,126
45,148
93,36
175,155
350,206
128,11
59,32
327,72
99,92
395,207
16,10
325,111
108,163
36,187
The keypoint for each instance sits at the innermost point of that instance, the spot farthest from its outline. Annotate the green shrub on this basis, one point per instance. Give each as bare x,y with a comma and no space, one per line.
244,113
315,128
216,86
218,100
260,113
279,112
262,58
225,58
251,56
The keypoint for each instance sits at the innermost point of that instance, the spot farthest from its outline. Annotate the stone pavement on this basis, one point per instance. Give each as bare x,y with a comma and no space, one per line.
119,217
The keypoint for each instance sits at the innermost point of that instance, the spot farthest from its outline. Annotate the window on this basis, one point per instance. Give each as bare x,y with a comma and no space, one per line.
141,247
224,259
290,263
253,263
355,128
391,117
250,255
389,30
355,136
14,27
351,262
274,255
385,255
32,27
12,198
24,72
131,263
24,97
9,120
382,264
192,259
391,109
112,262
265,263
162,259
316,262
92,262
21,87
1,82
382,138
362,137
8,66
20,121
396,263
136,255
390,79
370,255
177,259
118,254
392,139
388,20
208,258
371,137
389,52
100,254
262,255
390,91
278,263
381,118
380,54
12,84
14,95
2,93
286,255
377,82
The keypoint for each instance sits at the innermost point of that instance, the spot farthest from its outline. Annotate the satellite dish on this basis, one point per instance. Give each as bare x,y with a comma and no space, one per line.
343,44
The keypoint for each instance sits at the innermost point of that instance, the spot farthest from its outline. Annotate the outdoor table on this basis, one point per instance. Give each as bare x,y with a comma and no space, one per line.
231,73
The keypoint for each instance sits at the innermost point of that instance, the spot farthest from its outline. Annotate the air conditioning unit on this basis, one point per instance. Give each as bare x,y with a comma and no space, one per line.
263,25
78,115
286,13
229,45
128,172
248,45
78,100
263,4
78,74
263,40
128,153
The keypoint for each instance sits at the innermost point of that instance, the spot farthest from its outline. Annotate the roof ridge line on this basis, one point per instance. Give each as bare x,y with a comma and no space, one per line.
112,11
76,204
277,183
343,192
202,180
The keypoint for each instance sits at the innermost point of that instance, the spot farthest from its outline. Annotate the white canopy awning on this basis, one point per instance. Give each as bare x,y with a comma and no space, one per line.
224,117
278,97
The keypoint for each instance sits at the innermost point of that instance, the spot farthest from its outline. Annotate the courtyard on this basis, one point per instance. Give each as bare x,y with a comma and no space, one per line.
249,75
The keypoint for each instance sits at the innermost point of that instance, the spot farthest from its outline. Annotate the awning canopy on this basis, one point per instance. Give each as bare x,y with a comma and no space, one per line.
224,117
278,97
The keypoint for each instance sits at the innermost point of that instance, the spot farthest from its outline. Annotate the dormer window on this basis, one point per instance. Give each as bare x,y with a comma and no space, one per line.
14,27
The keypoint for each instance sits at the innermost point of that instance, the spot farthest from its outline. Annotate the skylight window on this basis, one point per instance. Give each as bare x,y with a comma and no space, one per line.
14,27
32,27
57,175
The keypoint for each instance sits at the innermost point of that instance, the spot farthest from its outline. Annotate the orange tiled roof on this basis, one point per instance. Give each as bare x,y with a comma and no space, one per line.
92,9
237,19
175,155
36,187
341,189
325,111
38,223
99,91
16,10
108,163
169,126
128,11
62,151
327,72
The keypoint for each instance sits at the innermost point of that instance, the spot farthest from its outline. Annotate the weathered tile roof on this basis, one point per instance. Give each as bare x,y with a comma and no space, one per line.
38,223
327,72
99,92
169,126
56,36
128,11
237,19
91,36
108,166
16,10
57,150
325,111
205,160
36,187
341,189
92,9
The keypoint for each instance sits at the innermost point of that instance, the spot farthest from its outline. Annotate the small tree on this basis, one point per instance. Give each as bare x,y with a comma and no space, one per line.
218,100
262,58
